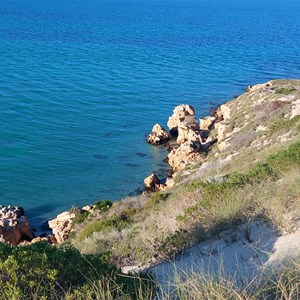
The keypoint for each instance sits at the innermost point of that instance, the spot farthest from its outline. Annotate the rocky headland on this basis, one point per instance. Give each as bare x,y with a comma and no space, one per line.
232,171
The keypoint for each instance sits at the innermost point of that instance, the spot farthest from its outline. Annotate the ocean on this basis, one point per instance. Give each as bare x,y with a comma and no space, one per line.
82,82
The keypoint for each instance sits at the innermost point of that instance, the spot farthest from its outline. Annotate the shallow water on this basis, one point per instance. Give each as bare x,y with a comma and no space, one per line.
83,82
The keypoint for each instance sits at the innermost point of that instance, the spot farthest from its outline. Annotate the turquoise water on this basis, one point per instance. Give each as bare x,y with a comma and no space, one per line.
82,83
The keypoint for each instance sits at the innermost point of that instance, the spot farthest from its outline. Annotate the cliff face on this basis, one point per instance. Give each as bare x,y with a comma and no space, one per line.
256,154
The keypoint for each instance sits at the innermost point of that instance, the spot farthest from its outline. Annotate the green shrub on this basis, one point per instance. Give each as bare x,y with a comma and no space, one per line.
43,271
285,125
103,205
81,217
256,174
211,193
285,91
233,180
128,213
286,159
105,225
157,197
174,243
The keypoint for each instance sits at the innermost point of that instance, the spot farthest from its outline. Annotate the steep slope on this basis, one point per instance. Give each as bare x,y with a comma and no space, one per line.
251,173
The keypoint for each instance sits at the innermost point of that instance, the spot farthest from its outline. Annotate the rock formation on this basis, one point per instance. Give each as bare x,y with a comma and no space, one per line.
207,123
14,226
190,141
182,123
49,238
252,88
158,136
186,153
62,225
152,183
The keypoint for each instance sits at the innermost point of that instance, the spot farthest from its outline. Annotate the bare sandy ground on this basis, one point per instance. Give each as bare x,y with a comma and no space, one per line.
240,253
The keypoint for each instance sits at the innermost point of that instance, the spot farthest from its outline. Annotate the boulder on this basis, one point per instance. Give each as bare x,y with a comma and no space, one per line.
88,208
182,123
14,226
25,228
158,136
62,225
222,131
152,183
221,113
169,182
49,238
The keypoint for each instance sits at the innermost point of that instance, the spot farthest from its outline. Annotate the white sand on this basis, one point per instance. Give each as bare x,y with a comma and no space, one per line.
232,254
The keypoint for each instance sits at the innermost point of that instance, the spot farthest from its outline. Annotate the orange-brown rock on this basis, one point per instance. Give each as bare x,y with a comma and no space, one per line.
207,123
183,114
158,136
14,226
186,153
49,238
62,225
152,183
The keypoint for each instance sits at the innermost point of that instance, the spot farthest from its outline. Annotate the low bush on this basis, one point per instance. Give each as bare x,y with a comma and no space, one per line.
285,125
105,225
81,217
285,91
174,243
156,198
43,271
286,159
103,205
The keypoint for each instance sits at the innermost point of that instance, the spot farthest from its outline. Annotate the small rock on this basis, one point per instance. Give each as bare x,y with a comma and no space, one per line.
152,182
88,208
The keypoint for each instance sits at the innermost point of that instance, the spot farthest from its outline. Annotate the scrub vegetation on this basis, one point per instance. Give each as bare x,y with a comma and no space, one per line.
257,177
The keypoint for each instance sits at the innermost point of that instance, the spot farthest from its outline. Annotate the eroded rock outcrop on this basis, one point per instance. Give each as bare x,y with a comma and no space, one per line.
252,88
62,225
190,141
14,226
182,123
158,136
207,123
152,183
186,153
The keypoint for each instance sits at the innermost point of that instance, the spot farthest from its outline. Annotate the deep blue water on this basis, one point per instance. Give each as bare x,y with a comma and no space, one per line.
83,81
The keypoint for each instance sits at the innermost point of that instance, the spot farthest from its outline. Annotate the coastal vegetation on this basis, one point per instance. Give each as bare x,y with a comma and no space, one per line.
250,177
43,271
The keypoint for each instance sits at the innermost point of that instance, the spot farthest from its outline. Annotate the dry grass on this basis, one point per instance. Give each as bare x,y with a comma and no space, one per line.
165,223
276,283
146,229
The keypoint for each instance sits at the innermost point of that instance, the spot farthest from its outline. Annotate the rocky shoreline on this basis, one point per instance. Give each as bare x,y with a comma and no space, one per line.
188,142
